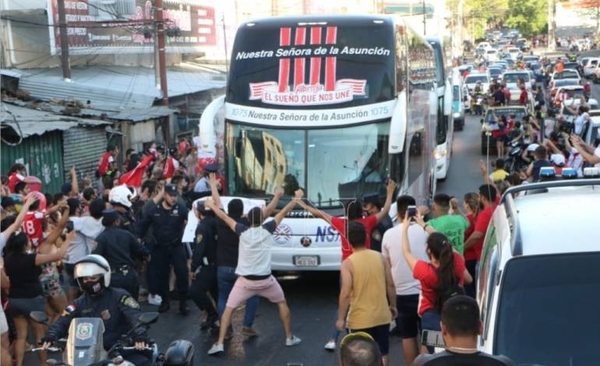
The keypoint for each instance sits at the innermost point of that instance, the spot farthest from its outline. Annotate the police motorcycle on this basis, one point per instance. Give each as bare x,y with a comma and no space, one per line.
85,346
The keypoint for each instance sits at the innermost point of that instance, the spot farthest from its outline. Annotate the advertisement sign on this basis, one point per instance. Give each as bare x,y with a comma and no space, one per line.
128,26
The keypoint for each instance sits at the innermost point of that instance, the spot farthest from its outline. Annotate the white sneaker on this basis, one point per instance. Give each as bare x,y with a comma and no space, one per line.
154,300
216,348
292,341
330,346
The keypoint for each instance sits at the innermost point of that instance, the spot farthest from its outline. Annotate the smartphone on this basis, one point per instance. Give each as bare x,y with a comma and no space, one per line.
432,338
412,211
70,226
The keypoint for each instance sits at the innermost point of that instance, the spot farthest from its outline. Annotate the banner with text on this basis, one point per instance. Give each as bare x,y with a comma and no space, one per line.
308,118
128,26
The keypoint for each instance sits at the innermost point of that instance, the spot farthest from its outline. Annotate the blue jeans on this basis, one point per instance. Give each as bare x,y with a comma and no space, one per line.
226,278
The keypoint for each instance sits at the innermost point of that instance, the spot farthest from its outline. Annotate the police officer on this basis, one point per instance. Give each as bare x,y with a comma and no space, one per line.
372,206
167,219
120,198
118,310
203,270
119,247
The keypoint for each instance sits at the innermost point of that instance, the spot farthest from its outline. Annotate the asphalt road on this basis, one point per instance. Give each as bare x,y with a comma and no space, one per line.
312,296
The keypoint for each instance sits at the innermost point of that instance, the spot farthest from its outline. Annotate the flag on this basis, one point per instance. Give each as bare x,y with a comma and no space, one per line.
134,177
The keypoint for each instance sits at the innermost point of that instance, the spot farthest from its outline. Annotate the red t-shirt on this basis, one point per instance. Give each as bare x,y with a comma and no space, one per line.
471,218
524,97
481,225
13,179
33,228
171,167
105,160
339,223
427,275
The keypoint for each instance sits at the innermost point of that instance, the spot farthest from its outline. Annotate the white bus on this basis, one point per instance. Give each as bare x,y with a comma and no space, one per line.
332,104
445,123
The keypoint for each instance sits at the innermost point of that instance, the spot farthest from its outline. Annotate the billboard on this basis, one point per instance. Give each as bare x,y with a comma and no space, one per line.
128,26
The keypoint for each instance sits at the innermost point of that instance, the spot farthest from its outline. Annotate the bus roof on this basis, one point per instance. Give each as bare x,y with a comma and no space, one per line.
340,20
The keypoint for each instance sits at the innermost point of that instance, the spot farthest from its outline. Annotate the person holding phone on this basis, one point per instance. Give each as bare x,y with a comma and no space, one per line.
443,275
588,152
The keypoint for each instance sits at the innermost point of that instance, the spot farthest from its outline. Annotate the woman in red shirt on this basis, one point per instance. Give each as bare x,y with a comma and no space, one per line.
471,205
440,278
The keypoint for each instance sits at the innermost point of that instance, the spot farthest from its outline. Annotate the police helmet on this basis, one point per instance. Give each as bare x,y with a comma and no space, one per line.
92,265
122,195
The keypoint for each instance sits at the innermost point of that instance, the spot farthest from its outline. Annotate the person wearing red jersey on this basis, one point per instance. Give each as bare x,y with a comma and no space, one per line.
34,220
354,213
474,244
107,165
16,174
171,165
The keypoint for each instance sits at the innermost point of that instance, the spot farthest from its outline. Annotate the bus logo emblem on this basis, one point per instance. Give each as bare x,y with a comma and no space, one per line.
282,234
293,87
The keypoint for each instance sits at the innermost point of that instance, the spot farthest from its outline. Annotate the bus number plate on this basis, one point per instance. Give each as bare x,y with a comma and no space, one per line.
306,260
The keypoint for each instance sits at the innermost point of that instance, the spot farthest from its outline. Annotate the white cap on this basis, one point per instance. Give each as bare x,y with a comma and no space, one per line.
532,147
557,159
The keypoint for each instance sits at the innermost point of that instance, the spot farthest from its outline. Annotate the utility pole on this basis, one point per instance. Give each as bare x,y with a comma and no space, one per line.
424,19
551,25
64,41
225,43
160,42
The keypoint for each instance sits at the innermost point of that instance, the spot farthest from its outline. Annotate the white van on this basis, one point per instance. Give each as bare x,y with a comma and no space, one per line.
539,278
491,55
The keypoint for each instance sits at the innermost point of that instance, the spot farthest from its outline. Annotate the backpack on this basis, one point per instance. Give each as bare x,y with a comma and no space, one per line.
442,295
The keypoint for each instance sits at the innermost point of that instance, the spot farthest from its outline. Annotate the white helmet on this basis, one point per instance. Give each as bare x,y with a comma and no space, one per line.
92,265
122,195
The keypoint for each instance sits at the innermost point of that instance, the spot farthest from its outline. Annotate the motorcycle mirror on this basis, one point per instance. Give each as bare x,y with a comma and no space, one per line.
148,318
39,317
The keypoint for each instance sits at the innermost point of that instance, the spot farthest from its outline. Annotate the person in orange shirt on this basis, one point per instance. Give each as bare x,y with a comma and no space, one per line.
560,65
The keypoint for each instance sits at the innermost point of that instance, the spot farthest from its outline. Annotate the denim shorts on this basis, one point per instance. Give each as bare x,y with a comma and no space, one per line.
430,320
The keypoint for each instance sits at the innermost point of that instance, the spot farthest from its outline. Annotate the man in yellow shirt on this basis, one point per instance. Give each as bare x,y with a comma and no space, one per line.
368,294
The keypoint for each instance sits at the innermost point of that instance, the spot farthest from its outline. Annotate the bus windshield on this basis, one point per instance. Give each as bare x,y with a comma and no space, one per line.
439,63
344,163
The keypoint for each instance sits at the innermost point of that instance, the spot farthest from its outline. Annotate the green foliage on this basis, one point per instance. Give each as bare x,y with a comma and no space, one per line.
528,16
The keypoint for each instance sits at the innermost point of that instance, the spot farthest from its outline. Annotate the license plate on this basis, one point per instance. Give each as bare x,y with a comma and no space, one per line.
306,260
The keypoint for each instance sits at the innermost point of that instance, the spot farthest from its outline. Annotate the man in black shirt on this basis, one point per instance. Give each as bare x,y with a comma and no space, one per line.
460,328
499,98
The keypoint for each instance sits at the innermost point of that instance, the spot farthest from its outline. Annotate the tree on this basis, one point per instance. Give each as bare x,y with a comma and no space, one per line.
527,17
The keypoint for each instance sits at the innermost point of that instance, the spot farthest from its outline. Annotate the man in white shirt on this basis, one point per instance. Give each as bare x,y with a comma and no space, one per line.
407,287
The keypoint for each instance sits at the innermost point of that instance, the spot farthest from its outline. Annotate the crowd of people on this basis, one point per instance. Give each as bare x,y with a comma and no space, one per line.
99,249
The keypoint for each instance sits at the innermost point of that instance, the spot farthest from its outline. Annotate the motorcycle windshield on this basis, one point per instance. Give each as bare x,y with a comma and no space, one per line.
85,344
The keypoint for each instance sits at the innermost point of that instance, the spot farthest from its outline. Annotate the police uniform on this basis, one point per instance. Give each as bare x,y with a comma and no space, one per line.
204,264
119,247
118,310
168,225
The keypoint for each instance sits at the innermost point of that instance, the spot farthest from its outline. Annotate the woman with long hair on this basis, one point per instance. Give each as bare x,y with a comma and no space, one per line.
440,278
23,268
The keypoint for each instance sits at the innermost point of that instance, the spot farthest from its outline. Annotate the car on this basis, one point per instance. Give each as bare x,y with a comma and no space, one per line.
590,67
531,58
472,79
538,270
574,103
573,66
566,74
573,91
491,55
515,53
511,78
495,72
523,44
488,142
561,83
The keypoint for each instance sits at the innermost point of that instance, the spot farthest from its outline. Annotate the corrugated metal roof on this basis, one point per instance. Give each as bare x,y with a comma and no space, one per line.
35,122
133,115
114,88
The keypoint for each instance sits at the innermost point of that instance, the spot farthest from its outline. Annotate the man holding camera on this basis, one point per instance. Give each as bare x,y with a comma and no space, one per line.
460,327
